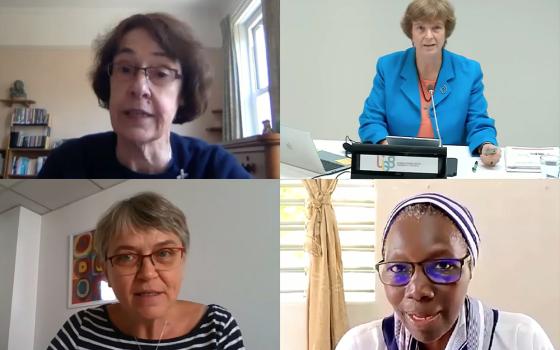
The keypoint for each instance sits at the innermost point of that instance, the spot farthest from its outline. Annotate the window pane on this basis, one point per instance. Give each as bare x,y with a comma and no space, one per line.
290,281
293,259
293,193
354,214
359,281
292,213
293,297
357,238
292,238
263,108
356,259
260,52
346,192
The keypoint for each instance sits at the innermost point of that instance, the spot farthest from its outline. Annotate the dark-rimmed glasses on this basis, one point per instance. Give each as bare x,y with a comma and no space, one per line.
163,259
159,76
439,271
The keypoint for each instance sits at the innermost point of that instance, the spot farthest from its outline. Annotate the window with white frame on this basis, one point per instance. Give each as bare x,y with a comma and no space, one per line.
253,68
354,206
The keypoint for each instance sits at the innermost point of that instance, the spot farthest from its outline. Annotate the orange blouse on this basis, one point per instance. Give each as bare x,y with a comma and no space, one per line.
425,129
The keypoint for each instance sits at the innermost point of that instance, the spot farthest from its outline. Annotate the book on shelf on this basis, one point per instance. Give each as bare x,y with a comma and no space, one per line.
30,116
27,166
28,141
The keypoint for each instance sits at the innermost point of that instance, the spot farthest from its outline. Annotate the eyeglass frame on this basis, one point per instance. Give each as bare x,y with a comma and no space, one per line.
383,262
145,69
141,257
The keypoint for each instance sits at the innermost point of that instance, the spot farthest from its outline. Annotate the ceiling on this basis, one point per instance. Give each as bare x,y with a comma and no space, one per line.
44,196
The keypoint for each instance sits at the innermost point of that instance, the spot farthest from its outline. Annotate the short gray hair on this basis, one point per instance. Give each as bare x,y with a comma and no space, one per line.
144,211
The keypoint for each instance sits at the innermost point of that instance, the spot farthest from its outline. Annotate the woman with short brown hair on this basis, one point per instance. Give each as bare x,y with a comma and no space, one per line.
150,72
427,91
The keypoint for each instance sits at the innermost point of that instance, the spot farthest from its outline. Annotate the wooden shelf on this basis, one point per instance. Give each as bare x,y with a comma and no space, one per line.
218,111
21,176
25,150
11,102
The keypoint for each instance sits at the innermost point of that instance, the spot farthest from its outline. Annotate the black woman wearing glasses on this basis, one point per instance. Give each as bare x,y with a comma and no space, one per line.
150,72
430,247
143,241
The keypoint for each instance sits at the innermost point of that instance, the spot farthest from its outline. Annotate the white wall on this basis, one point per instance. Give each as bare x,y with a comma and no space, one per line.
330,48
19,259
233,260
8,241
24,299
79,26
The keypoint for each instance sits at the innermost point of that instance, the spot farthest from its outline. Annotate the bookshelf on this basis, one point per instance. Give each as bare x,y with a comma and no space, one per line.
28,143
2,162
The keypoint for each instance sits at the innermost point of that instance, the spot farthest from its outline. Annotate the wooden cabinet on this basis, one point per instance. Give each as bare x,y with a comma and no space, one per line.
259,155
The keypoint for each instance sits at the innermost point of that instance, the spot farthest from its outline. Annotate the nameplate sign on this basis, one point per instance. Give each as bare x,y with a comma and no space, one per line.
391,161
376,162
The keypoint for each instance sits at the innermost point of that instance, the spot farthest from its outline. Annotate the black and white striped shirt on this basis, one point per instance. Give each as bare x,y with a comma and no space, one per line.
92,329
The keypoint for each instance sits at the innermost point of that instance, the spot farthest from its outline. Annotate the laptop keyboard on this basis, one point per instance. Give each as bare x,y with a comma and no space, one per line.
330,165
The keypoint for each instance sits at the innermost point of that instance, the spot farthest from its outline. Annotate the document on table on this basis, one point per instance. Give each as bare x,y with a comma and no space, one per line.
527,159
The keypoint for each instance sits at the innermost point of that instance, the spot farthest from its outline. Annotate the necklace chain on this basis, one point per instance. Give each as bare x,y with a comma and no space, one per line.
160,336
427,99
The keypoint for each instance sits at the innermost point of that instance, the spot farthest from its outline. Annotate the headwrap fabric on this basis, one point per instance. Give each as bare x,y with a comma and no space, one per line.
460,215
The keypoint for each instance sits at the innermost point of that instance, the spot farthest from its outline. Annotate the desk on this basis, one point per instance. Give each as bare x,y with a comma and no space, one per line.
464,166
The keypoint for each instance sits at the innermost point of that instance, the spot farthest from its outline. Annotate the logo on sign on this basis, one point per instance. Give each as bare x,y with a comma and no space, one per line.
385,163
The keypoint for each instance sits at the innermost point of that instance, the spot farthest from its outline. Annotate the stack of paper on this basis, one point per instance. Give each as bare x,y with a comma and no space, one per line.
527,159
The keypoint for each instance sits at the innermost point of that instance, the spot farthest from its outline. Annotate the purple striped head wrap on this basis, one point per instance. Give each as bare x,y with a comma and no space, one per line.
460,216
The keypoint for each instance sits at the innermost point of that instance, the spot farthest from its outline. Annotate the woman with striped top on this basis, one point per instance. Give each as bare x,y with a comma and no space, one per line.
143,242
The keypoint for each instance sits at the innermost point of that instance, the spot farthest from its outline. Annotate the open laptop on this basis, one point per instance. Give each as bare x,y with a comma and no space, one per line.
412,141
297,149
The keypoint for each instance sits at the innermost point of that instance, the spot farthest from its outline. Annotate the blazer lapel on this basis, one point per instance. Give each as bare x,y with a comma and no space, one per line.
409,76
446,73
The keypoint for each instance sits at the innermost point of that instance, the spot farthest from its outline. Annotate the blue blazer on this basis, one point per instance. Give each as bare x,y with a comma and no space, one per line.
393,105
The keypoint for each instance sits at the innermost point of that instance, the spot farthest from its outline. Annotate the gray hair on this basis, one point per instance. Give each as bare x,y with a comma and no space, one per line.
144,211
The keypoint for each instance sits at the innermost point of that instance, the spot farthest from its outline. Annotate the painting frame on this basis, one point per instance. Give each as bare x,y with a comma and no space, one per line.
85,274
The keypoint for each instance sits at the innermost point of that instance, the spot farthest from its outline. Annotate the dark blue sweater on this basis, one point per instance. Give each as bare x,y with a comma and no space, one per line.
94,157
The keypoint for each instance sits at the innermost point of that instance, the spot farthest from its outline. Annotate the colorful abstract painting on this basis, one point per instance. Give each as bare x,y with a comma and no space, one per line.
88,285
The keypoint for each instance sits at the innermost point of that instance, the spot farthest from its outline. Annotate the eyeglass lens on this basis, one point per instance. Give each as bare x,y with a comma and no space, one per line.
442,271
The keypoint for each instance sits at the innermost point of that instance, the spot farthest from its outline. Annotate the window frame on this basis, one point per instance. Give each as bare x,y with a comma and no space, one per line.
298,226
245,23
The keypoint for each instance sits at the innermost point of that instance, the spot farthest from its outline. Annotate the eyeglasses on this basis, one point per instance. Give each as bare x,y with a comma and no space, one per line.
162,259
439,271
159,76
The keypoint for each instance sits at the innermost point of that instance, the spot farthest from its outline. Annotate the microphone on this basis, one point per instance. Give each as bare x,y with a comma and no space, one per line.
431,90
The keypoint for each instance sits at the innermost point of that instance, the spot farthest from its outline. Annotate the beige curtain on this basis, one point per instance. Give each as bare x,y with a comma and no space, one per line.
271,22
326,310
231,117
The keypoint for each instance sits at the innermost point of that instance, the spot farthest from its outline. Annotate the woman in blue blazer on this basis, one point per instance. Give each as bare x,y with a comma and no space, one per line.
400,102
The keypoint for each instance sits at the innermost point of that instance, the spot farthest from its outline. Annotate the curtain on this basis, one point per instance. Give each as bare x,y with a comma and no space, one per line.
231,118
326,309
271,22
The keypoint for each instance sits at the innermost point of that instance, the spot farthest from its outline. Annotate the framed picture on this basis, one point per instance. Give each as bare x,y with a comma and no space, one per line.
87,284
